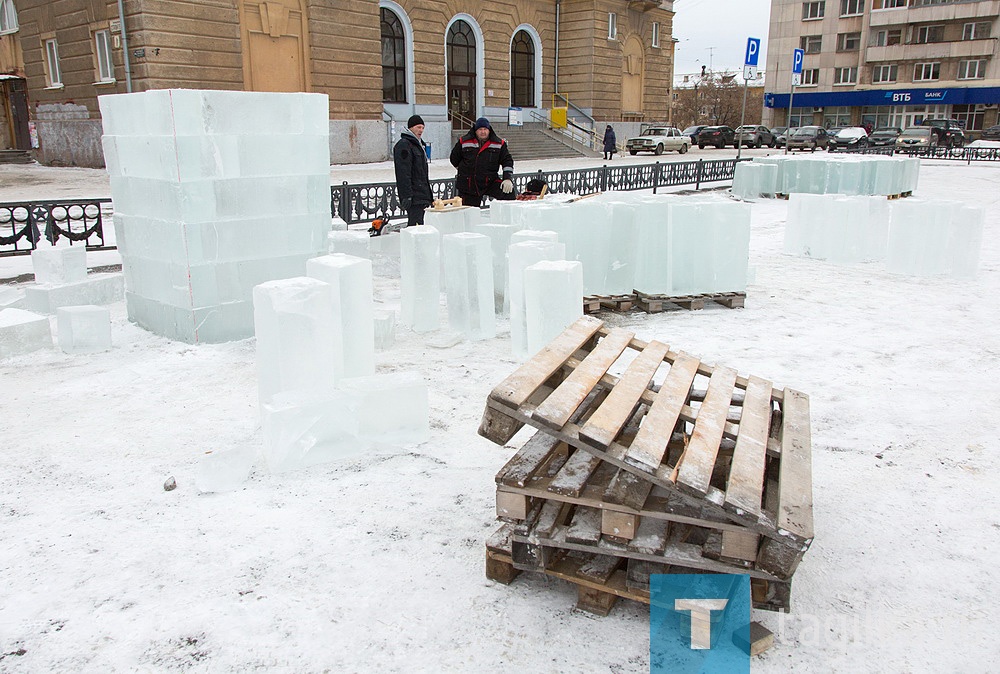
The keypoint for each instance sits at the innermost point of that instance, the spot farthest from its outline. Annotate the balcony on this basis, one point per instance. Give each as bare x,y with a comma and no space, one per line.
932,51
973,9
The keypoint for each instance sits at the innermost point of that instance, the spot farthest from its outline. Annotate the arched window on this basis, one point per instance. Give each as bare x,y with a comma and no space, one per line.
522,70
393,58
8,16
461,48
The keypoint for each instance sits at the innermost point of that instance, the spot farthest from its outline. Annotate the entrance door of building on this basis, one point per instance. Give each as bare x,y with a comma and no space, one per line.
461,99
16,96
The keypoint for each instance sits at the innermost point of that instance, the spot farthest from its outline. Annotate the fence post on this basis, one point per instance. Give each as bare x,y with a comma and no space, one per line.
656,177
604,178
697,175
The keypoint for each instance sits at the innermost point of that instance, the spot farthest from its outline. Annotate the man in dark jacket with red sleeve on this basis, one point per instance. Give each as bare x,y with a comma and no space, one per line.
413,186
479,156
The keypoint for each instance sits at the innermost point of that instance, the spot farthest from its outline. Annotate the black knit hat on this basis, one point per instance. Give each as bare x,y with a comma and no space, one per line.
413,121
482,123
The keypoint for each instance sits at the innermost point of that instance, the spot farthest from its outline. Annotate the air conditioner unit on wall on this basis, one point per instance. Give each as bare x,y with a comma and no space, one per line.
817,109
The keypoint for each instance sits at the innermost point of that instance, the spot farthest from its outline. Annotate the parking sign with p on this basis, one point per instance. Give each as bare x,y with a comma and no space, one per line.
797,56
750,62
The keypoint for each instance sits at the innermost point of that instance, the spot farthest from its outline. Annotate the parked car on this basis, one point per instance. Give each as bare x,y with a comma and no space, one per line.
781,135
810,137
656,139
952,132
754,135
992,133
916,137
848,138
693,132
719,136
884,136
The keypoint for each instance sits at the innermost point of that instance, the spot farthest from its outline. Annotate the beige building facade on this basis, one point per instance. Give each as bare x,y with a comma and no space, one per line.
379,61
884,62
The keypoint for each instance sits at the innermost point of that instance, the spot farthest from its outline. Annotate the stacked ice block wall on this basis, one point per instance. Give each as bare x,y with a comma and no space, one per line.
838,228
849,174
215,192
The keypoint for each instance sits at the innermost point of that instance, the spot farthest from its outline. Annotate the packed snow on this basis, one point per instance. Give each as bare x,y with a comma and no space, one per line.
376,563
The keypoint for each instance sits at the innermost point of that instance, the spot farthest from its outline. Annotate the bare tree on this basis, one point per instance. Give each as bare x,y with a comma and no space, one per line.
717,99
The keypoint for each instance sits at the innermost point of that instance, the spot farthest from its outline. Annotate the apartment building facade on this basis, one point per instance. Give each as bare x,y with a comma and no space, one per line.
379,61
884,62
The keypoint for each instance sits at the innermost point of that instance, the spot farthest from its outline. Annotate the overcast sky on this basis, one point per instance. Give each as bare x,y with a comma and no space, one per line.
715,33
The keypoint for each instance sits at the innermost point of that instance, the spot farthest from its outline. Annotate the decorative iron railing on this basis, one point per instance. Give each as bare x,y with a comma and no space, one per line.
966,154
24,224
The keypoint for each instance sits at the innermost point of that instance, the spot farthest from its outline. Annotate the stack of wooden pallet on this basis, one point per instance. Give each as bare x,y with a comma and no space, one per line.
674,466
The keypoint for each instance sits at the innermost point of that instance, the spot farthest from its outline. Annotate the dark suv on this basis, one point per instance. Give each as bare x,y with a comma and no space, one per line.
719,136
950,132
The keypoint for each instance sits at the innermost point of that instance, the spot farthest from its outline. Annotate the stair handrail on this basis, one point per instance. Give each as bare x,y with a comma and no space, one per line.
569,104
573,131
465,121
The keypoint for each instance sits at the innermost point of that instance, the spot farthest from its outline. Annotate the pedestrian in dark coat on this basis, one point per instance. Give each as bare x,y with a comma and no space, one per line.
610,143
479,156
413,185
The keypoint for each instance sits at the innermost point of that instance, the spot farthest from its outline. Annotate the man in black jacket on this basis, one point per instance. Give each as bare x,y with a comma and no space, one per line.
479,155
413,186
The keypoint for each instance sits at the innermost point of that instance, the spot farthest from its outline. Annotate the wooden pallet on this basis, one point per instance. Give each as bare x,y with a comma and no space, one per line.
600,579
745,452
654,304
632,518
594,303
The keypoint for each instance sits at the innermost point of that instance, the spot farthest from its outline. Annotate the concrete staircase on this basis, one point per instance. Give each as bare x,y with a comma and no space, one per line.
534,141
15,157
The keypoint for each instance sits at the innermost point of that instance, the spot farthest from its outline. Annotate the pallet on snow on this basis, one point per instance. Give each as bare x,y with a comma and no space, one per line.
654,304
600,579
763,483
594,303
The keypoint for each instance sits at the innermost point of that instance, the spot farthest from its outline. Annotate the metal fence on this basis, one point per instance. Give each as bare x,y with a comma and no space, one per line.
23,225
363,203
966,154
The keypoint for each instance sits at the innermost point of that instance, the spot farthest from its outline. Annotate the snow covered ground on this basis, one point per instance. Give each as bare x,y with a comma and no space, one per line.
376,564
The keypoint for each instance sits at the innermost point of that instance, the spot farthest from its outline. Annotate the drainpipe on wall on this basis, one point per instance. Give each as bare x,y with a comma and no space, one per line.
128,65
558,14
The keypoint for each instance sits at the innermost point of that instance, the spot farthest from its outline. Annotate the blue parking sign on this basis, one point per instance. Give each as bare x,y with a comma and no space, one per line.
797,57
753,51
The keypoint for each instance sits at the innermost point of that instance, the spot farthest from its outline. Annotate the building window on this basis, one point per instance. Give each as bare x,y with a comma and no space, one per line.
852,7
813,10
612,26
52,63
810,77
885,38
923,72
837,116
102,52
848,41
972,70
883,74
800,117
393,58
656,35
888,4
8,17
972,115
976,31
926,34
811,44
522,70
845,75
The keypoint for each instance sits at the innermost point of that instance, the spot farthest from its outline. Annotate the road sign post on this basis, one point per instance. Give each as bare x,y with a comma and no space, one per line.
797,56
749,73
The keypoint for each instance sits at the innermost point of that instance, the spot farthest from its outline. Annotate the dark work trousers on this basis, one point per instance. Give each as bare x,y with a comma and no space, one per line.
415,214
493,191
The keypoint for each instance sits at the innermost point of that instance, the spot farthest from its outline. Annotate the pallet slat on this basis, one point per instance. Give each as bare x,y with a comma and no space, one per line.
515,390
650,443
795,503
698,461
609,419
745,487
559,406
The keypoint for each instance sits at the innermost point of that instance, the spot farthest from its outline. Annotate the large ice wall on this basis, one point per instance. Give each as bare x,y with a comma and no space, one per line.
851,174
215,192
836,227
